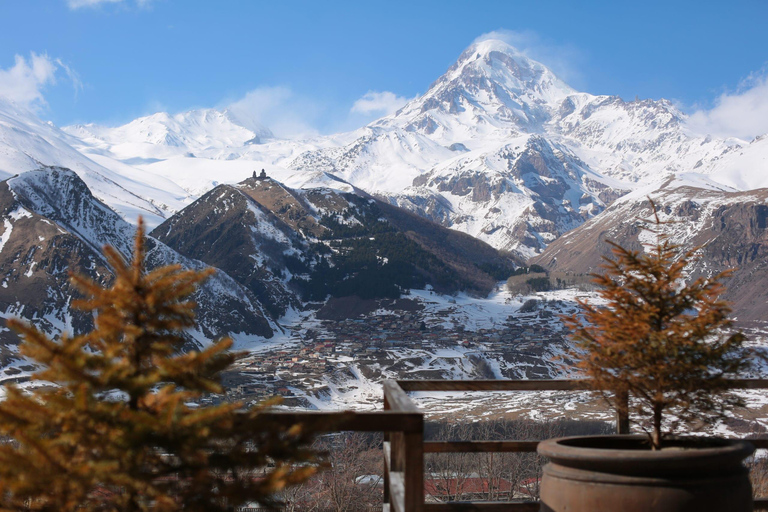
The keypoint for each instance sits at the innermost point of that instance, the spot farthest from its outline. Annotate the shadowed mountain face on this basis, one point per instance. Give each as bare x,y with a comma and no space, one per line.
36,256
729,228
53,226
274,248
228,229
287,246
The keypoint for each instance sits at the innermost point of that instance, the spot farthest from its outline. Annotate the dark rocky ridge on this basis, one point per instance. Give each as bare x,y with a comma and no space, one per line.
730,228
275,240
228,229
52,226
35,260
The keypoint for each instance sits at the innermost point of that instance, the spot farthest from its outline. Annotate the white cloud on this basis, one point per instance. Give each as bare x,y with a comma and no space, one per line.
284,113
564,60
25,81
381,103
77,4
743,113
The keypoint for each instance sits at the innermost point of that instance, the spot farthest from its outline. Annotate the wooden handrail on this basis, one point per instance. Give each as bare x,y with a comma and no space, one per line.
495,385
519,446
489,506
479,446
373,421
396,400
534,385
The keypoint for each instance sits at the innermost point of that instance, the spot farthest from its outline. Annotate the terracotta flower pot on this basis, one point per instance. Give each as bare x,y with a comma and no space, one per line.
622,474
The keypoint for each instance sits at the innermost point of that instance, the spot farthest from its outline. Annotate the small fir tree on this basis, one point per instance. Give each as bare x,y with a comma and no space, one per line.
666,342
118,430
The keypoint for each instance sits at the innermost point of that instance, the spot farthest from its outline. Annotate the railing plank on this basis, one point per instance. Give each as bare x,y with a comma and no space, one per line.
519,446
483,506
387,467
387,456
397,491
479,446
414,471
386,449
397,399
622,412
534,385
495,385
373,421
761,504
759,443
748,383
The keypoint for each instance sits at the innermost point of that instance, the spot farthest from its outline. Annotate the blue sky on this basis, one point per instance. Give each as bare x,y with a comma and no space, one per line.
307,63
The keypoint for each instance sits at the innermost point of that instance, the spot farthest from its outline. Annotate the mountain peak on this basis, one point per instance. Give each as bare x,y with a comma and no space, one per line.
491,86
198,130
506,65
486,46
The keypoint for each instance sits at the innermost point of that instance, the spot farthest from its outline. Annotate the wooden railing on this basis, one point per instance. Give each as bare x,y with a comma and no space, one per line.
404,452
403,428
402,423
403,456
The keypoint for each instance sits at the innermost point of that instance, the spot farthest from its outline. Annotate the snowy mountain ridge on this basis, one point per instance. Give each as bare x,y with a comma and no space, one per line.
27,143
203,130
498,147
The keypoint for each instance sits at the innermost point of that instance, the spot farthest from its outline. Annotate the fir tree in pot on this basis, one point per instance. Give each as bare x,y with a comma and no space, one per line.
669,344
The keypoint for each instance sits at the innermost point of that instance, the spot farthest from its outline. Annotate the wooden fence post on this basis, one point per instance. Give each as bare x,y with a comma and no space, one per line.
622,412
414,471
386,440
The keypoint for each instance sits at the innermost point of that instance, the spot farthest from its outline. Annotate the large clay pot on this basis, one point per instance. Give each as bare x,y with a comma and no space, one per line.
622,474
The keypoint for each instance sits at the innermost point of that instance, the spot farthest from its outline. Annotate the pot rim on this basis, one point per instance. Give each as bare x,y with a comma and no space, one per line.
594,453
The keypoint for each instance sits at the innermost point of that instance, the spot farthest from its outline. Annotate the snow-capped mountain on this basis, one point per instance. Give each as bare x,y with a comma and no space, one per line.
27,143
53,225
729,227
639,141
491,89
502,149
205,131
498,147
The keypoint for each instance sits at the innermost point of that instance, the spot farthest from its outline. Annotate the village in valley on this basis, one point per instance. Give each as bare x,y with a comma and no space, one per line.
519,338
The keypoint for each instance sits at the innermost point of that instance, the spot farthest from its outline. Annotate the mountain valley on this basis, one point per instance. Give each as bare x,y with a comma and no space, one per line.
380,252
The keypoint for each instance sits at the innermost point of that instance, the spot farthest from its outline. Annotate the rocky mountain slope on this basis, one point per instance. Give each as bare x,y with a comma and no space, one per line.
729,226
288,246
276,250
498,162
53,225
498,148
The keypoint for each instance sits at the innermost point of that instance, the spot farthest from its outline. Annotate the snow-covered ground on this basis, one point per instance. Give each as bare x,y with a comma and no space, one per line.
356,384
